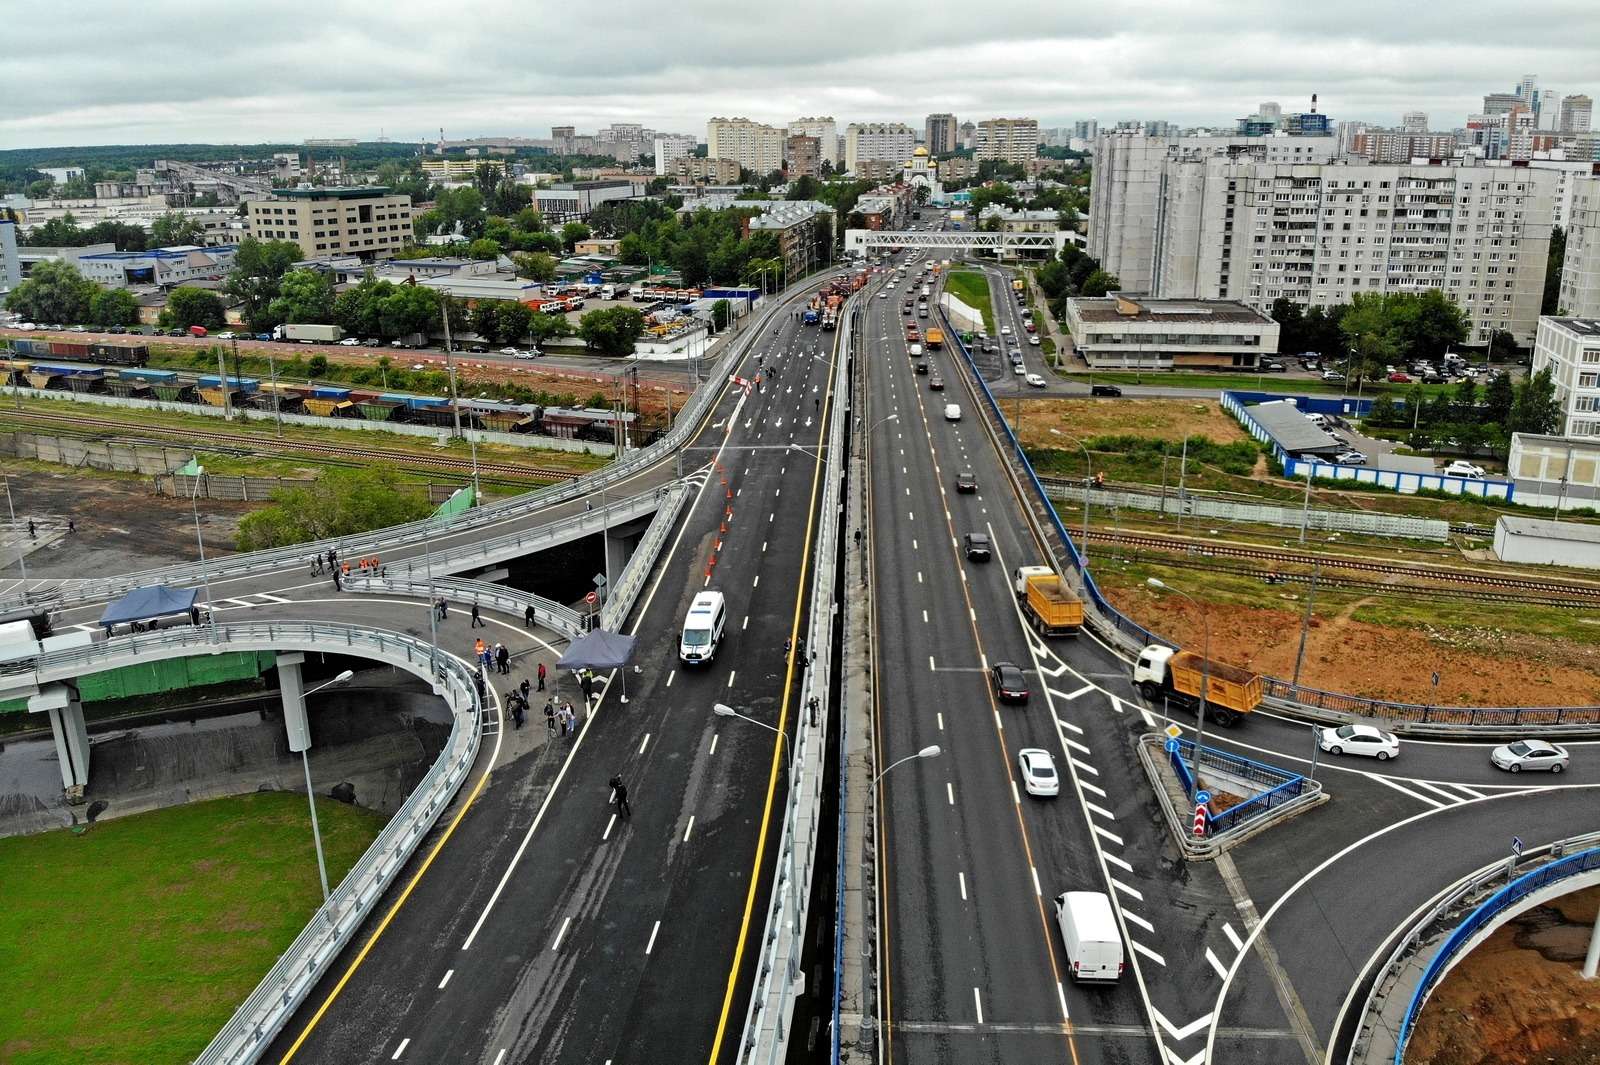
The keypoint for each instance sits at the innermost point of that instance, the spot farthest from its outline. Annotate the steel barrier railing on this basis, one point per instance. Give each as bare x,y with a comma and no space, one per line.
552,615
631,581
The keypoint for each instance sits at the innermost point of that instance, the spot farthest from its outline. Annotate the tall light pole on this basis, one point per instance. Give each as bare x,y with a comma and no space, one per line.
791,805
724,710
311,798
205,573
1088,479
1205,670
22,552
927,752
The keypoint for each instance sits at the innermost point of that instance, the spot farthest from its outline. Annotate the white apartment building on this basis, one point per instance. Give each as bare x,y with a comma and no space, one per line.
755,146
1127,196
1575,112
368,221
1570,349
826,130
1580,270
890,142
1011,140
670,147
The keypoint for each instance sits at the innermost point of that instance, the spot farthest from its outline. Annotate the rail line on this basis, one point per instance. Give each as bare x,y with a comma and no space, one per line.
1589,593
231,441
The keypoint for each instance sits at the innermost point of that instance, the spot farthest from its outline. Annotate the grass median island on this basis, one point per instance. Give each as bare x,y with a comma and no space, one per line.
972,288
133,943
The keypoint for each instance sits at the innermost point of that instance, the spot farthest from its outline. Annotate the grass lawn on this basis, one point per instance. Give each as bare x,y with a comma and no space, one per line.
1249,382
972,288
133,943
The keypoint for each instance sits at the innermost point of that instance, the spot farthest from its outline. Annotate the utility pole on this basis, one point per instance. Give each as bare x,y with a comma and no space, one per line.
272,374
449,362
1305,622
222,383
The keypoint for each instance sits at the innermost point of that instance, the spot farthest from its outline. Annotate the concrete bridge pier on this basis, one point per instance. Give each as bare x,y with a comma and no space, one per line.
295,722
61,702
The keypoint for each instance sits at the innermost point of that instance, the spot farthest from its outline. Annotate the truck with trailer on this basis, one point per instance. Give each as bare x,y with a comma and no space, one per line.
1178,676
308,333
1046,601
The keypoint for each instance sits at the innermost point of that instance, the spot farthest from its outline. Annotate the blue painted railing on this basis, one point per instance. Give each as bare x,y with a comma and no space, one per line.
1278,786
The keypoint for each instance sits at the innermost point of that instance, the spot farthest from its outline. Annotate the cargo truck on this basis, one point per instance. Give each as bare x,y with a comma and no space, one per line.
308,334
1049,605
935,339
1177,676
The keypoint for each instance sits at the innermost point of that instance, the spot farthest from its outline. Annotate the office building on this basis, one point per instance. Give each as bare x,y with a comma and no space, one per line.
826,131
159,266
1528,91
571,201
940,134
669,148
1085,129
1575,112
1135,333
1580,269
716,171
1011,140
1498,103
1414,122
888,142
753,145
367,221
802,157
459,169
966,134
1570,349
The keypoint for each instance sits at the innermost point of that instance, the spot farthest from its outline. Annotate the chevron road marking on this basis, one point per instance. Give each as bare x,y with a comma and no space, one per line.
1180,1034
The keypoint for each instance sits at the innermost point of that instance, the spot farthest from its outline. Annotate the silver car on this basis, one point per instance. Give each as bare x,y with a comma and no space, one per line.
1531,755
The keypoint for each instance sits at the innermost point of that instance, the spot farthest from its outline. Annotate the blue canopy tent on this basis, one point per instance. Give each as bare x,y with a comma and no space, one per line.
143,604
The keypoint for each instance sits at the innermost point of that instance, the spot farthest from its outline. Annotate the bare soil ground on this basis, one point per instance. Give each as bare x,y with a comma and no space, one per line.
1377,661
122,526
1156,419
1520,997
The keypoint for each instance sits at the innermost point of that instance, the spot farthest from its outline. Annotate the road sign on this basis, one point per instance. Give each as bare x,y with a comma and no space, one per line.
1174,731
1172,746
591,598
1516,845
1199,821
1201,798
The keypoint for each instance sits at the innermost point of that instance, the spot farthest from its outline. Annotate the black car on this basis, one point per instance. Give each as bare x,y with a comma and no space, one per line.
1268,366
117,329
1010,686
966,481
935,383
176,333
922,367
1104,390
976,545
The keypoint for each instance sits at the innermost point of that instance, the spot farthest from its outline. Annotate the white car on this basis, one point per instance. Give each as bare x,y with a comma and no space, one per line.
1034,380
1033,339
1039,776
1458,468
1359,739
534,354
952,412
1018,369
1005,330
883,295
1530,754
508,351
350,342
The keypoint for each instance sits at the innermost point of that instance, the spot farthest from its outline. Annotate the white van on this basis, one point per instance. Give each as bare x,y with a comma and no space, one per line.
1089,929
952,412
702,628
916,350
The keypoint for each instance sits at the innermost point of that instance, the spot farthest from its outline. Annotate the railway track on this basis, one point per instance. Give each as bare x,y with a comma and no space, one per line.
1526,585
268,444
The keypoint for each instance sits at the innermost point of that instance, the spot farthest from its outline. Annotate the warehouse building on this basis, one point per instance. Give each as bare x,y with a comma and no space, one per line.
1541,542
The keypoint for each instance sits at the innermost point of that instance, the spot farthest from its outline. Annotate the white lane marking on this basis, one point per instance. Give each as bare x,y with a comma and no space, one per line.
745,624
940,716
1085,690
757,582
731,674
498,1058
1436,804
763,547
925,617
1140,921
1131,892
1147,952
401,1049
713,744
950,792
976,998
1061,996
972,615
670,675
1100,810
1037,890
269,597
919,576
1016,796
1454,798
1085,767
1180,1034
1001,725
1216,963
1233,937
241,602
688,828
1116,704
1094,788
557,944
931,667
1475,793
448,974
1107,834
1075,745
652,942
911,516
607,833
963,878
1126,867
644,742
774,514
1069,726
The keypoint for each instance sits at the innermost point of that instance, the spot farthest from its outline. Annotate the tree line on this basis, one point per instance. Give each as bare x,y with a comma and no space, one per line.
1376,330
1074,272
1470,420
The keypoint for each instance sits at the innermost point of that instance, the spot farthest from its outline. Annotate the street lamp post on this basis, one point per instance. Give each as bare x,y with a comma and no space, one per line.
1088,479
22,552
1205,670
311,798
791,805
205,573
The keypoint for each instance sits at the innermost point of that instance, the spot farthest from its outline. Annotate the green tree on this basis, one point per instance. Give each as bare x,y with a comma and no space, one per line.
174,228
1464,401
1099,283
512,320
304,296
187,305
1498,399
1552,272
535,266
804,187
484,322
338,503
1369,331
258,267
542,327
1425,325
573,232
409,309
317,365
357,309
54,293
1383,411
611,331
721,312
113,306
483,248
1535,408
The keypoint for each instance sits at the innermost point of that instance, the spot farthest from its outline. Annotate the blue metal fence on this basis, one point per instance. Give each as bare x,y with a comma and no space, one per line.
1496,904
1278,785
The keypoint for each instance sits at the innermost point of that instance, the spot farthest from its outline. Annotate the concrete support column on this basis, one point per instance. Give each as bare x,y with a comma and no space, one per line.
295,722
61,702
618,549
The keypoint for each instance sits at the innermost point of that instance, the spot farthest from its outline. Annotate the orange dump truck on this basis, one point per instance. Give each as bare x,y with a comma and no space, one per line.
1050,606
1177,676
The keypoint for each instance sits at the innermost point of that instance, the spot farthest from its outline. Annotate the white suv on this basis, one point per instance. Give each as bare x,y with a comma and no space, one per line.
1461,468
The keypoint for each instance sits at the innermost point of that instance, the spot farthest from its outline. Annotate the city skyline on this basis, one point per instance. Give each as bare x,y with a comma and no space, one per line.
497,74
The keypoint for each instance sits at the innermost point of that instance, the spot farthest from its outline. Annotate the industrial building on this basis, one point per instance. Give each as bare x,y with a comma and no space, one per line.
570,201
1542,542
165,267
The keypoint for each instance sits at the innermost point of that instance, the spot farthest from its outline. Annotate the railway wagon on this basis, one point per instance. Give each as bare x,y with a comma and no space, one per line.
587,423
113,354
14,371
274,395
67,378
69,349
503,417
378,409
330,408
129,388
29,346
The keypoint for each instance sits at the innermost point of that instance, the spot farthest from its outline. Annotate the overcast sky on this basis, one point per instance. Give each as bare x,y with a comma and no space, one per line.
161,71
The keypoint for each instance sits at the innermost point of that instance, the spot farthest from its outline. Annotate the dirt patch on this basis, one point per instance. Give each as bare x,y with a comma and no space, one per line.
1377,661
122,526
1520,997
1154,419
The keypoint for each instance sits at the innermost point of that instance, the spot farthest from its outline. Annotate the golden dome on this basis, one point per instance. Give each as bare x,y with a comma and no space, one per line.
920,151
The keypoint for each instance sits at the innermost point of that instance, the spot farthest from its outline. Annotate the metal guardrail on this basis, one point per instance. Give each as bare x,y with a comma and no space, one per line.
630,582
1573,856
296,972
552,615
1423,714
1279,786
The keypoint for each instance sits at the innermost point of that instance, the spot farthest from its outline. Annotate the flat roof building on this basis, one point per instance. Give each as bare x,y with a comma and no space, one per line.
572,200
1570,349
368,221
1131,332
166,267
1011,140
1542,542
753,145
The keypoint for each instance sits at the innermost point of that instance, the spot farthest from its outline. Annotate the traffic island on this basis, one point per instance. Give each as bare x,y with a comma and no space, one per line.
1224,801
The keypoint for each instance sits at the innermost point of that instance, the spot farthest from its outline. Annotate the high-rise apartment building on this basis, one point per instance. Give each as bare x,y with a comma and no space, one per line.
1086,129
1414,122
802,156
826,130
1528,91
367,221
1580,269
891,142
1402,146
1575,112
671,147
1012,140
940,134
753,145
1569,347
966,135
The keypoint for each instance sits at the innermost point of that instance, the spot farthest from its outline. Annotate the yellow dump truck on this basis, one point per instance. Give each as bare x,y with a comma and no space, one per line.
1177,676
935,339
1049,605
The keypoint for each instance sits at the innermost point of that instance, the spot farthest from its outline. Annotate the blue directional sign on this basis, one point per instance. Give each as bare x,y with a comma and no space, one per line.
1172,746
1201,798
1516,845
